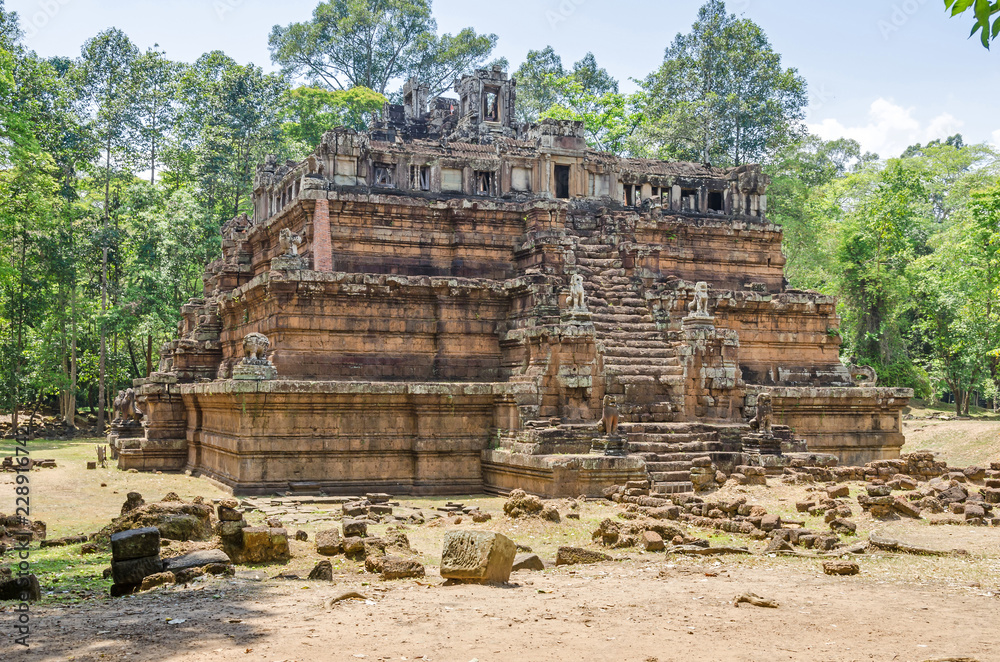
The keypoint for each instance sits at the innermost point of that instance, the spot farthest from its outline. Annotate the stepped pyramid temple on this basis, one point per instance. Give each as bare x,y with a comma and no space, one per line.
453,303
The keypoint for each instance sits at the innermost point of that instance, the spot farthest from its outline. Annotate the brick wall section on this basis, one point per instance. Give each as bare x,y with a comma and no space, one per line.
322,247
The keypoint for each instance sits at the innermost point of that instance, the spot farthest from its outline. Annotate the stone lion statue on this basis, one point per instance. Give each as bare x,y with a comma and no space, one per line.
609,420
126,411
762,422
699,307
289,242
863,375
255,346
577,295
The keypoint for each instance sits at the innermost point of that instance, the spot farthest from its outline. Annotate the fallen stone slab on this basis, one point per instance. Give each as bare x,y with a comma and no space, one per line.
328,542
159,579
133,571
578,555
528,562
890,545
841,568
198,559
706,551
322,572
481,557
395,567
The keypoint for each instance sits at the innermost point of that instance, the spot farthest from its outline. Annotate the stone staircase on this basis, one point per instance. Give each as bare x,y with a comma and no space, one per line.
643,369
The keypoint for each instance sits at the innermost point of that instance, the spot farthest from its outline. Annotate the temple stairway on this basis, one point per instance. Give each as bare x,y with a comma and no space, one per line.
643,369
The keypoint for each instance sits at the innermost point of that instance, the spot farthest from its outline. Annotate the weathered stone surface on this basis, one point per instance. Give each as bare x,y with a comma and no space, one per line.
176,520
322,572
229,514
262,545
477,556
578,555
527,562
652,542
133,571
355,528
841,567
521,504
21,589
354,547
395,567
135,544
838,492
159,579
198,559
328,542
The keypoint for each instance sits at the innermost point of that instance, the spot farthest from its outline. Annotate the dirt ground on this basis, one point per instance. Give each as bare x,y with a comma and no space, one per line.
640,607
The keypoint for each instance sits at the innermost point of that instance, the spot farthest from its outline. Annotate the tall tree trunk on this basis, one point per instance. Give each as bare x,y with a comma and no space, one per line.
149,354
102,362
71,407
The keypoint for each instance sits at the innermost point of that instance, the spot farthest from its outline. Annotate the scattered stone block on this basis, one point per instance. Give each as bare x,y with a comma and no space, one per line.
838,492
328,542
527,562
135,544
651,541
322,572
198,559
843,526
521,504
188,575
549,514
301,536
770,522
133,571
395,567
354,547
578,555
159,579
481,557
21,589
841,568
229,514
355,528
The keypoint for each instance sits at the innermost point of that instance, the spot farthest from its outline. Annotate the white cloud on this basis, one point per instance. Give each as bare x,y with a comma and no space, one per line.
891,129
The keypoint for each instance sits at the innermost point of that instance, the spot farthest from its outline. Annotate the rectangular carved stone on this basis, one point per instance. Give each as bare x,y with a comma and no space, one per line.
477,557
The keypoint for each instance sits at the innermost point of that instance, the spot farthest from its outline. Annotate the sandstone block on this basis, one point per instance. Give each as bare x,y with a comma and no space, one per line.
838,492
904,507
578,555
354,547
322,572
355,528
25,589
841,568
395,567
527,562
477,557
135,544
354,509
974,511
843,526
879,490
651,541
198,559
328,542
229,528
229,514
133,571
159,579
770,522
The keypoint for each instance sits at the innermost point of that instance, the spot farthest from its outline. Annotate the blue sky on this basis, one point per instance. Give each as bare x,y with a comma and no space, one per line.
885,73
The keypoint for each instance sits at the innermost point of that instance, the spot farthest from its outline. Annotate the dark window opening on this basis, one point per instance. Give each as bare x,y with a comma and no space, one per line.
689,198
383,175
749,206
420,178
491,105
562,182
716,202
484,183
629,197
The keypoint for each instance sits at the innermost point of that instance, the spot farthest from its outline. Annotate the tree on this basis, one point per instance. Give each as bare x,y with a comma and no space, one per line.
371,43
984,12
309,112
721,95
109,83
231,119
156,111
609,119
535,93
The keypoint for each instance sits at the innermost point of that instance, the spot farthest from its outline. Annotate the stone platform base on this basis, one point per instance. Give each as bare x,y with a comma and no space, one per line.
558,475
858,425
142,455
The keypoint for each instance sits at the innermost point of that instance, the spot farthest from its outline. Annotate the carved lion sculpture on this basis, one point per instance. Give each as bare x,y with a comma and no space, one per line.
255,345
289,242
762,422
609,421
577,295
126,411
863,375
699,307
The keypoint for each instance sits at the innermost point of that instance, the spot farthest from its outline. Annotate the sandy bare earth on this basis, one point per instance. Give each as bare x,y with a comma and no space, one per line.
644,609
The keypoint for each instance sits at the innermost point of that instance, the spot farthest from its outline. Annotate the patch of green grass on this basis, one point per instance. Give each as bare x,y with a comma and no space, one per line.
69,577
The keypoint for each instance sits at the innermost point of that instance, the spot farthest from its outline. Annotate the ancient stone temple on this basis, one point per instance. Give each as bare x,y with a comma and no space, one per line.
453,303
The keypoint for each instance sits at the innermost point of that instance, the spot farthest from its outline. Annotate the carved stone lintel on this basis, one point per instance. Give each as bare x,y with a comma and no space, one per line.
252,372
